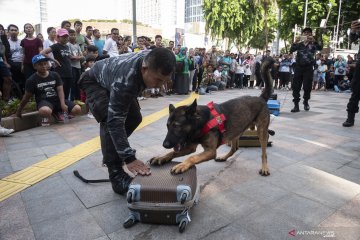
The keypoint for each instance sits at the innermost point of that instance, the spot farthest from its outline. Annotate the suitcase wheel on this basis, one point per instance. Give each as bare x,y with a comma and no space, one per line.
183,198
130,196
183,224
129,222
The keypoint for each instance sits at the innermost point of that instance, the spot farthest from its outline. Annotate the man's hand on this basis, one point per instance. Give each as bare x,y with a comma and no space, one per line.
297,39
64,108
310,39
355,25
138,167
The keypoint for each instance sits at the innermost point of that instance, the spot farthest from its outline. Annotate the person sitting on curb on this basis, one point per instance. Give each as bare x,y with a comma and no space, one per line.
47,87
4,131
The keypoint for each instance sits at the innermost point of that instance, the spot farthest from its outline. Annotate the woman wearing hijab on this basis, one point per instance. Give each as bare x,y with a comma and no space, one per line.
182,79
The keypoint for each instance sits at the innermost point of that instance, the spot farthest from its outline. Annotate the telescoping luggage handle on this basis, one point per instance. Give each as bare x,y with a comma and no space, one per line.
183,193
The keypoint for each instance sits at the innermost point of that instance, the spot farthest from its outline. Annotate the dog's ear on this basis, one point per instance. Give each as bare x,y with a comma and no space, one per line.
192,108
171,108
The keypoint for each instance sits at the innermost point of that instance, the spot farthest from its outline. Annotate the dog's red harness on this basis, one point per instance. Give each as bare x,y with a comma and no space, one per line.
217,121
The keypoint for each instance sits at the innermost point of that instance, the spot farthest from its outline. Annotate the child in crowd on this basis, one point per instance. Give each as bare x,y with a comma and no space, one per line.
90,61
47,87
76,57
62,58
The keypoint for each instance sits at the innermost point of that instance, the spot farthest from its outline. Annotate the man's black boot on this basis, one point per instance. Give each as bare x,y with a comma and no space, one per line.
306,105
350,120
296,108
119,179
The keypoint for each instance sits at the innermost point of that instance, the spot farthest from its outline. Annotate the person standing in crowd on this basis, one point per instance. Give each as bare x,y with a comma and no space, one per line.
76,57
303,76
110,46
62,59
66,25
353,105
31,46
182,79
127,43
5,74
16,53
158,39
284,72
80,39
99,43
247,73
89,33
51,40
112,87
340,66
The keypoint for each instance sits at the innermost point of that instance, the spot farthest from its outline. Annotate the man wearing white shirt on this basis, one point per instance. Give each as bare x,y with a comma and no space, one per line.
110,46
17,56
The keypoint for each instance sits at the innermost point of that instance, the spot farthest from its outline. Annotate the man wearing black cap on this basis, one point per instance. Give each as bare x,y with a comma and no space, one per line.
306,47
353,105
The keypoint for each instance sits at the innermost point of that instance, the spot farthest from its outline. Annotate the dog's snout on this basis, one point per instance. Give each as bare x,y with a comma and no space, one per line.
166,144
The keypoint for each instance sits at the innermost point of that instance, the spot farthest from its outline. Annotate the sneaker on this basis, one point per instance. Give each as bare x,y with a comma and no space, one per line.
45,122
59,117
141,98
5,131
119,179
90,115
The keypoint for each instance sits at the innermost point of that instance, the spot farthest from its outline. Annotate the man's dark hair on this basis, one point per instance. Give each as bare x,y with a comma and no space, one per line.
114,29
77,23
48,30
71,31
161,59
12,25
158,36
171,41
127,38
63,23
88,27
96,30
92,48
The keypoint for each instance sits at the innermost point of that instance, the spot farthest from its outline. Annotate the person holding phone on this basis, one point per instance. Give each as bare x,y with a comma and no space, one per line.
306,47
353,105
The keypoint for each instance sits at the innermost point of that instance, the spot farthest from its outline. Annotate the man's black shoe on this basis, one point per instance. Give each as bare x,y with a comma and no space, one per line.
348,123
296,108
306,106
119,179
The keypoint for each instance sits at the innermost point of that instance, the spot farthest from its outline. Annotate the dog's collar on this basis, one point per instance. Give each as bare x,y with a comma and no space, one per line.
218,120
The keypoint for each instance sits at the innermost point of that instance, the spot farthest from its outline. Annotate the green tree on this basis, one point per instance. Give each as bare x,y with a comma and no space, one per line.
236,20
292,12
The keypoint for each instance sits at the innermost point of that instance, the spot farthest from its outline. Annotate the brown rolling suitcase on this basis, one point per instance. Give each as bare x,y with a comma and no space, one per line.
162,197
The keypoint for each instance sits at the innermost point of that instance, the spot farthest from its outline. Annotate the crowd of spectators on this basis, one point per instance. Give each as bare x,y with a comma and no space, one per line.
197,69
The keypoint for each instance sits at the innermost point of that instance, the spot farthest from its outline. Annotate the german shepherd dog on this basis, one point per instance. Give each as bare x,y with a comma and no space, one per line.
185,125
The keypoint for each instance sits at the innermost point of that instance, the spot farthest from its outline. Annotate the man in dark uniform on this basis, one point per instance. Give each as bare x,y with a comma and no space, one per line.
353,105
112,86
306,47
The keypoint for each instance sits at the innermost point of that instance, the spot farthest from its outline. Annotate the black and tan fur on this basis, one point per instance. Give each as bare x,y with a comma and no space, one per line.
185,124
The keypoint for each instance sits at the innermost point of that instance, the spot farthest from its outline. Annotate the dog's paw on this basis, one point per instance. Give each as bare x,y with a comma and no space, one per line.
158,160
264,172
180,168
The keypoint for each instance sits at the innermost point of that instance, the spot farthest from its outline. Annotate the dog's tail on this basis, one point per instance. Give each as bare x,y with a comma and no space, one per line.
266,76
